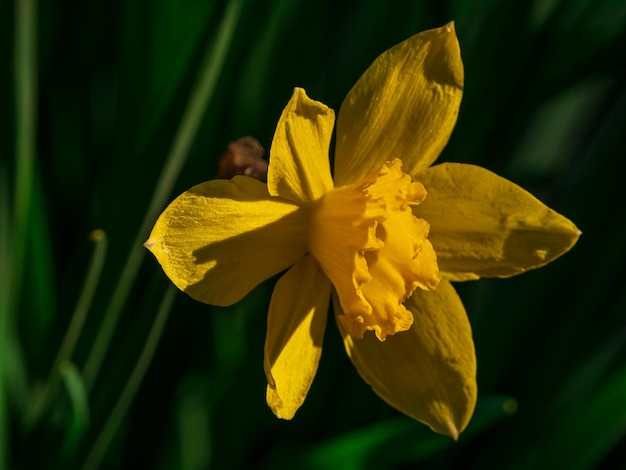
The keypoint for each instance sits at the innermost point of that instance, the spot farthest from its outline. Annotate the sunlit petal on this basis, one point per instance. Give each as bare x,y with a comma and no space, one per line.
299,168
220,239
404,106
295,330
483,225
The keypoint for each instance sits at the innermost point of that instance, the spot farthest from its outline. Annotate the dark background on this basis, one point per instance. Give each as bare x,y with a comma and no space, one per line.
544,106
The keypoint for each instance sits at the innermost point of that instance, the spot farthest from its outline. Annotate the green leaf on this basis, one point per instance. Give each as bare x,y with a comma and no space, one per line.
398,441
77,394
589,431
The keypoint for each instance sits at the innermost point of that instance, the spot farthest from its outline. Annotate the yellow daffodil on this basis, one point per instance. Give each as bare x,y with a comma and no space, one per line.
383,239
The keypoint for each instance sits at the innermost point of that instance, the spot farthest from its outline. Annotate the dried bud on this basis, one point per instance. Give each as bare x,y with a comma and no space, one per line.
243,157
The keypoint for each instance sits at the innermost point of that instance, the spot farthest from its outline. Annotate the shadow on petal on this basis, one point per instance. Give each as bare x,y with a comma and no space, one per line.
220,239
241,262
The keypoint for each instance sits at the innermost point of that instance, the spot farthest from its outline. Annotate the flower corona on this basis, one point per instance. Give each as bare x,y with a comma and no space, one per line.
374,250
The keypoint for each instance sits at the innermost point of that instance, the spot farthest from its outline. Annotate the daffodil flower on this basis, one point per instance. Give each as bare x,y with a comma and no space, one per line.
384,238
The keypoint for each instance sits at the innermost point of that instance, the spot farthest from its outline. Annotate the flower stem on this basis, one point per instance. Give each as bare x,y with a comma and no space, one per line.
25,111
196,107
74,329
84,302
108,431
13,237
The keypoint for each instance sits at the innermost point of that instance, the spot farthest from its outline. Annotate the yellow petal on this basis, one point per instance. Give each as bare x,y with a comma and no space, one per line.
220,239
429,371
295,330
404,106
482,225
299,168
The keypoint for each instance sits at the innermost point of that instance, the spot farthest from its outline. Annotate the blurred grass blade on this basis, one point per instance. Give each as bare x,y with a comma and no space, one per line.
355,450
13,243
78,399
575,446
25,117
39,404
99,238
41,302
121,407
5,243
5,350
177,28
196,108
194,427
411,441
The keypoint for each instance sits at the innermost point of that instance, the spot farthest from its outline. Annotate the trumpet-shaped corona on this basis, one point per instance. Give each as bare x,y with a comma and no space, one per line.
374,250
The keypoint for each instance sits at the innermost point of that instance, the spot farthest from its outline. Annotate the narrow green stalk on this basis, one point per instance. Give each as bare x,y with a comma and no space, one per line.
5,236
37,407
79,415
84,302
82,307
196,107
25,117
14,237
121,407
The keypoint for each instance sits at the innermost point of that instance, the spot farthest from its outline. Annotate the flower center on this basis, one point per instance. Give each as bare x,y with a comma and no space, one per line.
374,250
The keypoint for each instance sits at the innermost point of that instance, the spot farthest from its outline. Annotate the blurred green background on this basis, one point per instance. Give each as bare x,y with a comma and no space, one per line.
109,109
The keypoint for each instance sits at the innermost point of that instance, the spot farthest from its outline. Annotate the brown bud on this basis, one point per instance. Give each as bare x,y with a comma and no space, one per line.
244,156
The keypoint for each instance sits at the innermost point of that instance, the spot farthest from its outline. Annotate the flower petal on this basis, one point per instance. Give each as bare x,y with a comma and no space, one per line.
483,225
404,106
299,168
429,371
220,239
295,330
